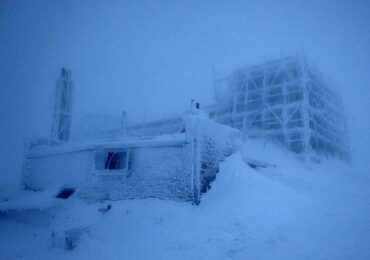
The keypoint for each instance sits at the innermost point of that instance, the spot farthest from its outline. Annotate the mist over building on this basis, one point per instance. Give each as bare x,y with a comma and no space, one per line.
159,129
285,100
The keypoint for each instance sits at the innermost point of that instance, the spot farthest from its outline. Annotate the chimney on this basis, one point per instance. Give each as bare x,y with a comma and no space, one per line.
194,107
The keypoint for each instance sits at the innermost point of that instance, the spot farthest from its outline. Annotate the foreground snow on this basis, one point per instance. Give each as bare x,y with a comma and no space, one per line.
287,212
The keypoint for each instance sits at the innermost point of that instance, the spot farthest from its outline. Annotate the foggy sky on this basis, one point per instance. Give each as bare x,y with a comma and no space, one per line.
151,57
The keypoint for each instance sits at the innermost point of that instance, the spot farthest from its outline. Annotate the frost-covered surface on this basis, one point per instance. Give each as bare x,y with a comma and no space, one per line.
159,172
287,212
123,142
286,100
26,200
177,166
72,164
210,143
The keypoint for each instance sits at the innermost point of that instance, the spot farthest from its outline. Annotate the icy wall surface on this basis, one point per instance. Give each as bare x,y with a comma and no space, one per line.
160,172
209,143
177,167
59,170
180,172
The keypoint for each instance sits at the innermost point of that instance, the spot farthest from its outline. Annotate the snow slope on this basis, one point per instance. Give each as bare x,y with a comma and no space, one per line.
287,212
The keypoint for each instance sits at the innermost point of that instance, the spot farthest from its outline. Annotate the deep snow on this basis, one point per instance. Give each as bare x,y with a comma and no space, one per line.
287,212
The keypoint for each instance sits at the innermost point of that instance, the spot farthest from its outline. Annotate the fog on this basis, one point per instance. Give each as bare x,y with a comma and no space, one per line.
150,58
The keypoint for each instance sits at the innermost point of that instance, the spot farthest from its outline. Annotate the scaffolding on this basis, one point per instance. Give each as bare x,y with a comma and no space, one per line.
63,107
285,100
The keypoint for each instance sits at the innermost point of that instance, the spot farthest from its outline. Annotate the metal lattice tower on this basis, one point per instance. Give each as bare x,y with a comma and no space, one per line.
285,100
63,107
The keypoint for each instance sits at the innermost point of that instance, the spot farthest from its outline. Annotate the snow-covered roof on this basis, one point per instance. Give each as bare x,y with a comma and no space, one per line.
124,142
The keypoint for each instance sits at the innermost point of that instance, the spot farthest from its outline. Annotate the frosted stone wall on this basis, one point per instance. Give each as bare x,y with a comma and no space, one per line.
153,172
180,172
58,170
210,143
177,169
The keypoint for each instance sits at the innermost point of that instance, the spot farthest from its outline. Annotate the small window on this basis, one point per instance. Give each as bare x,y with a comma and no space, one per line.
111,160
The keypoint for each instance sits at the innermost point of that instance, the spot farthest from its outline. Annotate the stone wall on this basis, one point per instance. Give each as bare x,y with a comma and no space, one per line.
209,143
153,172
180,170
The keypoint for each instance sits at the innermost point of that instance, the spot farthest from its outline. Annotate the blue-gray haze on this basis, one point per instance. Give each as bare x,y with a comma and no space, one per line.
151,57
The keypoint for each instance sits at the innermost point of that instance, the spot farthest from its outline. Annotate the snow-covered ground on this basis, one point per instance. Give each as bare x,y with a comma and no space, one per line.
287,212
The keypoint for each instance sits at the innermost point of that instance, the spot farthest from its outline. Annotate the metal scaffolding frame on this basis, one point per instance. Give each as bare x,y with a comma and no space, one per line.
63,107
285,100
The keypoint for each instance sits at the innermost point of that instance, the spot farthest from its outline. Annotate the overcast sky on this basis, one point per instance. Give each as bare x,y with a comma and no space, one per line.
151,57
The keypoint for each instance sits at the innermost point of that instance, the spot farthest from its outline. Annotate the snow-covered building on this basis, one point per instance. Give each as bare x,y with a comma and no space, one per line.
285,100
179,165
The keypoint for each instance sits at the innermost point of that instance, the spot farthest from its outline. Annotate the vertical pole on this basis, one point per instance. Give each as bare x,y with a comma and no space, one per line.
306,115
235,96
284,109
25,164
263,105
191,125
245,101
124,124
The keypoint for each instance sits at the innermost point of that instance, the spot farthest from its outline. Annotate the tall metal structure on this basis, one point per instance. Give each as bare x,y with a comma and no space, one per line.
285,100
63,107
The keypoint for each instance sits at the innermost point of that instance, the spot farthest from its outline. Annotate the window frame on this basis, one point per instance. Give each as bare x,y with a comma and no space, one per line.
109,150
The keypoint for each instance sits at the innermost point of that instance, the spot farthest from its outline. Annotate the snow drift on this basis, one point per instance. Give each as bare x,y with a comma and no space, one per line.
287,212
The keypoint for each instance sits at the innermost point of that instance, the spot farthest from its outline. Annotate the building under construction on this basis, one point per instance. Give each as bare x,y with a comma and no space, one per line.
177,158
285,100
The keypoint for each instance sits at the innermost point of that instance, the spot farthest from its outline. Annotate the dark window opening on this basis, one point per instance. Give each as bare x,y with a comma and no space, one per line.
111,163
65,193
111,160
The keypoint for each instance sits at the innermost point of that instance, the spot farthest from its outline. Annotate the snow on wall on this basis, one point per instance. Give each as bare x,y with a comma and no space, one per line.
159,172
179,170
210,142
59,170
